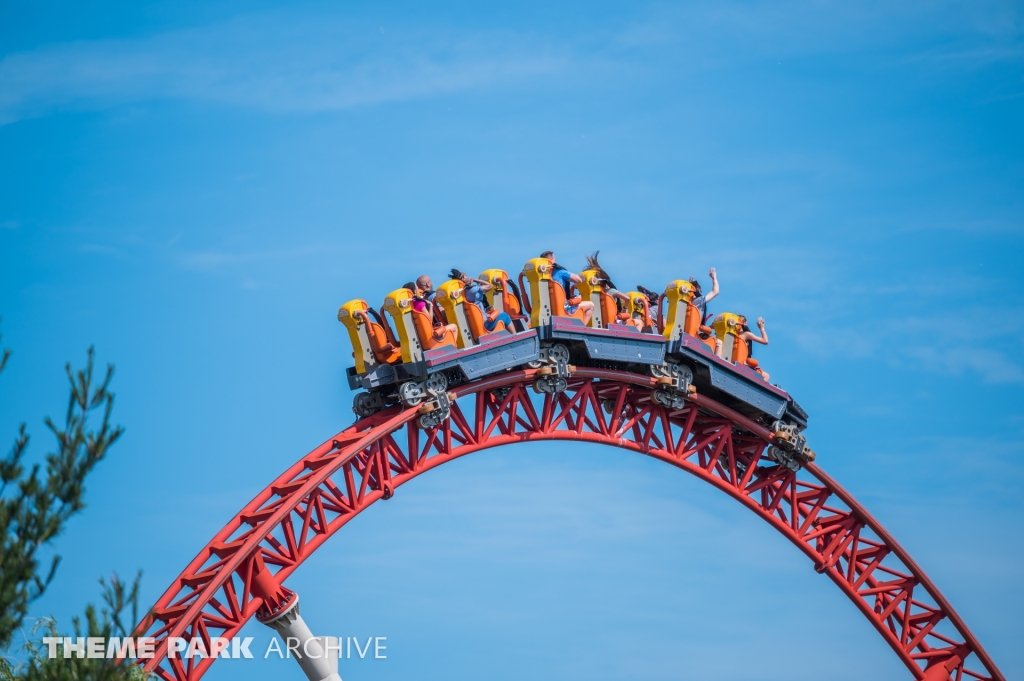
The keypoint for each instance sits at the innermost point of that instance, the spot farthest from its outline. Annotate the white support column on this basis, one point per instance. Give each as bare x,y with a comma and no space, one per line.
317,655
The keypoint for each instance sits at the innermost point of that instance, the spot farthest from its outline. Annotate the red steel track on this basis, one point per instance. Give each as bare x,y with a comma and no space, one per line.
256,552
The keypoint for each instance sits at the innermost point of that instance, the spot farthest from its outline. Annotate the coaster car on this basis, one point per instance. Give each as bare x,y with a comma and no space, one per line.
424,360
416,365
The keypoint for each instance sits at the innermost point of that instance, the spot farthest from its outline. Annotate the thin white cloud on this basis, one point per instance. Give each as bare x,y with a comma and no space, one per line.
913,31
101,249
941,344
222,259
273,63
955,359
782,164
286,62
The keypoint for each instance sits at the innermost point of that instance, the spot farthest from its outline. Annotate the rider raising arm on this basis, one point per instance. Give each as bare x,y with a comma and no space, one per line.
749,335
701,301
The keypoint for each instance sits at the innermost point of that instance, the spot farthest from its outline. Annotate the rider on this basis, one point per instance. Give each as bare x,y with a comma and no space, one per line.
424,282
700,301
604,280
421,304
566,279
418,302
746,335
474,290
652,303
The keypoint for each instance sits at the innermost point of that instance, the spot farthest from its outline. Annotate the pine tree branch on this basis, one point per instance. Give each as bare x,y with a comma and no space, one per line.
39,508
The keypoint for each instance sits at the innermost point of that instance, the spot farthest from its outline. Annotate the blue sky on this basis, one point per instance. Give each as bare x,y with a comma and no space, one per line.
195,187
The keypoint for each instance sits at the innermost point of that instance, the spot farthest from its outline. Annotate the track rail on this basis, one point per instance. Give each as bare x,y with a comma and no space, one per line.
221,588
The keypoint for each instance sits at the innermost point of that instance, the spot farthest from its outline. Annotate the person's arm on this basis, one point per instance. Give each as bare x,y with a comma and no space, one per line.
749,335
484,285
575,278
714,285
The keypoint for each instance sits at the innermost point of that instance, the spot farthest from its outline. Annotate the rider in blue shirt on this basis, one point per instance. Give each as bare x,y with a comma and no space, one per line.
566,278
475,291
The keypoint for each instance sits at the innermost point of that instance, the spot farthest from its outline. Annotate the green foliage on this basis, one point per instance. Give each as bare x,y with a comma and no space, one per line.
35,506
109,621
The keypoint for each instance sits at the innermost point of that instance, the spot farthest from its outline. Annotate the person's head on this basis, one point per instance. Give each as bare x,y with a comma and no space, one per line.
696,286
424,283
459,275
413,288
743,323
550,255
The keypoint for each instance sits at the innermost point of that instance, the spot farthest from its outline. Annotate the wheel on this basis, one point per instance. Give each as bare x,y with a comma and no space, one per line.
558,353
367,404
437,383
411,393
545,384
667,399
670,400
431,419
550,384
